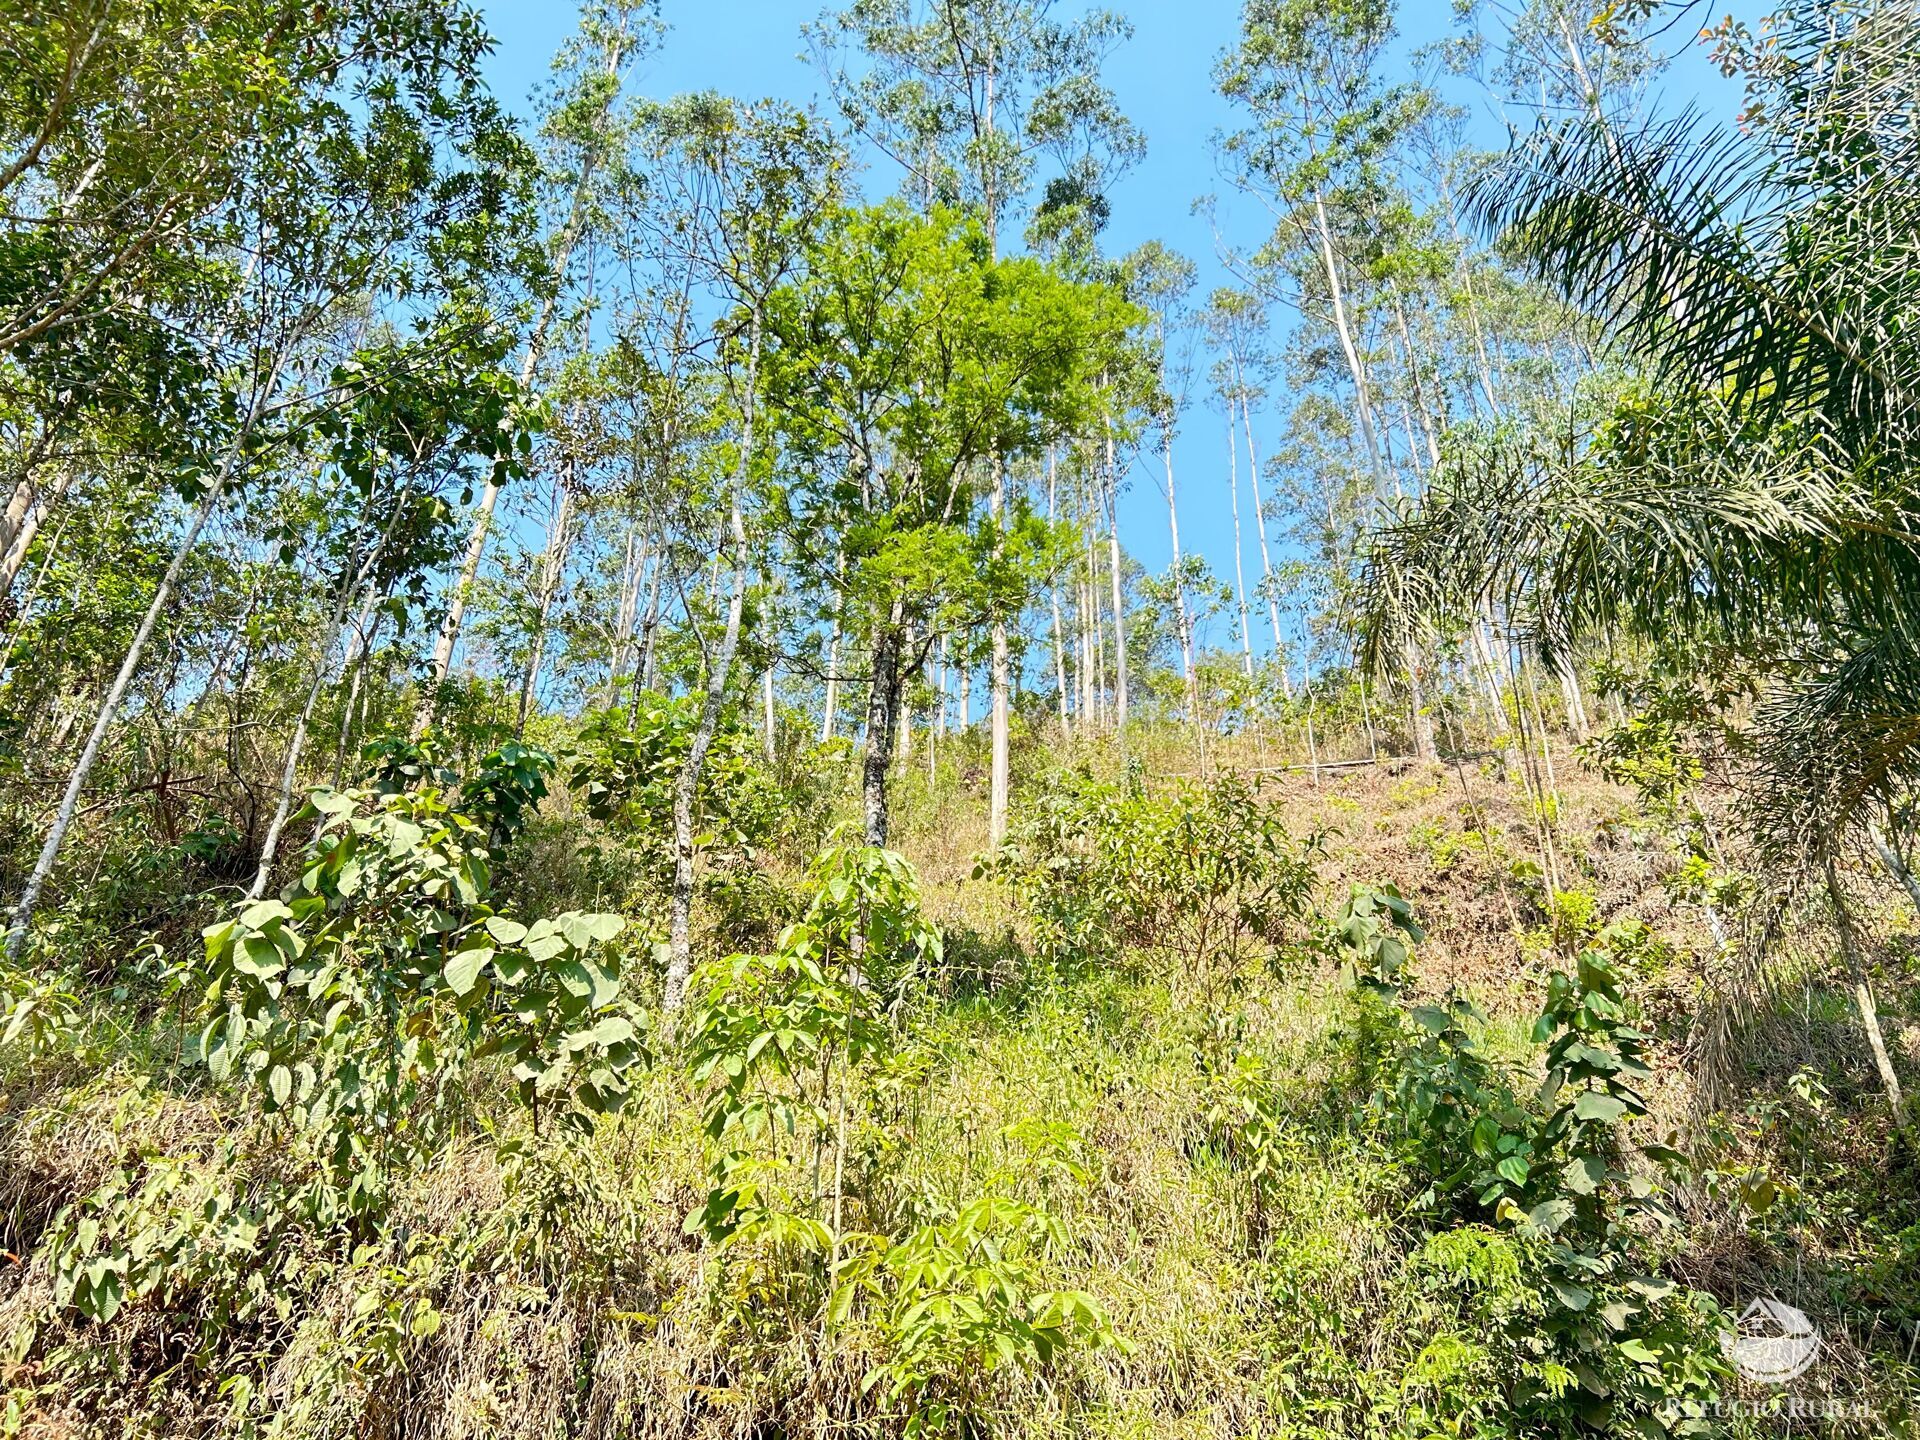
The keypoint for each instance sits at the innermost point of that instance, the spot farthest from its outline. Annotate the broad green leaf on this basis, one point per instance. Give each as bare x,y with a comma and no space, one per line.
1585,1175
505,931
464,968
1597,1106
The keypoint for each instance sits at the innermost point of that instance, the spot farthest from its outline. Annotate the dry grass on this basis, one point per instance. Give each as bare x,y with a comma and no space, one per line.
568,1301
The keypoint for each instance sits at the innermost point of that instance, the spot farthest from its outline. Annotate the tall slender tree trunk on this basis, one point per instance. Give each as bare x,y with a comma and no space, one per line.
772,736
998,685
1419,390
117,691
833,654
1053,601
633,578
1120,698
1570,693
1183,623
1422,722
16,537
650,629
19,505
1483,649
22,611
687,783
903,723
883,704
553,565
1260,529
1239,566
364,628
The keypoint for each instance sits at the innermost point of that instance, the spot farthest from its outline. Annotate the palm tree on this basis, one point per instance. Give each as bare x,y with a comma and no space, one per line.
1756,479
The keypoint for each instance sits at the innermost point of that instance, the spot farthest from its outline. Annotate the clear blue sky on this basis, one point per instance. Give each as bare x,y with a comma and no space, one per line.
752,48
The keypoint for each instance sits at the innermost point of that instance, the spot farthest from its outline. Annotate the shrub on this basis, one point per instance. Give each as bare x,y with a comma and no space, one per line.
1199,873
1610,1339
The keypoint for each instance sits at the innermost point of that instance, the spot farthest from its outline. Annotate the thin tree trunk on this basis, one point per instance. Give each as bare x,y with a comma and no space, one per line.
833,654
650,627
117,691
364,627
1863,994
1260,529
680,914
998,676
19,536
283,805
1570,693
1239,568
1896,865
1120,699
1422,722
1491,672
633,576
883,701
1182,623
903,726
936,731
1053,601
23,611
553,564
1419,391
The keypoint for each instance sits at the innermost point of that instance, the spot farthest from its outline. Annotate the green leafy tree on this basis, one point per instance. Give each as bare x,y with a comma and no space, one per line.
901,358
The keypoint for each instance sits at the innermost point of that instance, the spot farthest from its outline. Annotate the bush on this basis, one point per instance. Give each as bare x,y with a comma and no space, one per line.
1198,874
1609,1342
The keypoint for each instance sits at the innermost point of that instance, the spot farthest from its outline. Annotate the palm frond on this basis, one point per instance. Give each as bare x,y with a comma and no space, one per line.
1778,266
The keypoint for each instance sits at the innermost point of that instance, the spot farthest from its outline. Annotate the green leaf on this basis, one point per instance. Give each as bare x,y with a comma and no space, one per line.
612,1030
262,913
258,956
1574,1297
505,931
1550,1215
464,968
1513,1170
1486,1134
1597,1106
544,941
1585,1175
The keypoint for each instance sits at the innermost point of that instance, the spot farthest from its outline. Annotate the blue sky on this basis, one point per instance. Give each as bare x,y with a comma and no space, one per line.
752,48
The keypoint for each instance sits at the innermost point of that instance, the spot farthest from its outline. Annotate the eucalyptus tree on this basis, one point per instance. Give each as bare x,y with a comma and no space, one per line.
1160,280
582,136
1232,321
902,358
969,97
740,192
380,172
1319,121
